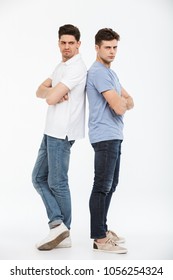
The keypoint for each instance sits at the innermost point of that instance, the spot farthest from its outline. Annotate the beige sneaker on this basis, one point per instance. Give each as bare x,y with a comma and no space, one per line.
109,246
117,239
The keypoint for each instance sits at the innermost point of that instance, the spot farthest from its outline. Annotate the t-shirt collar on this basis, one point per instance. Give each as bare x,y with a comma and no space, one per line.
73,59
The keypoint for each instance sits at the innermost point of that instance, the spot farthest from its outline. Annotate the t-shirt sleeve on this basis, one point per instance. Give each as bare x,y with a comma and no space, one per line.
73,75
103,81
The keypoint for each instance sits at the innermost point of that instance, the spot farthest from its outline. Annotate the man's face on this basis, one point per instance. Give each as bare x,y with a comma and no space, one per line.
106,51
68,46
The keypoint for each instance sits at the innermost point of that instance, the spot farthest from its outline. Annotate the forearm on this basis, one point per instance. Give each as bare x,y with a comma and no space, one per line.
43,91
116,102
57,94
53,95
120,107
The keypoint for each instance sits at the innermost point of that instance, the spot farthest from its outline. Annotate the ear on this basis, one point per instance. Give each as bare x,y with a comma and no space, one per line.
96,48
78,44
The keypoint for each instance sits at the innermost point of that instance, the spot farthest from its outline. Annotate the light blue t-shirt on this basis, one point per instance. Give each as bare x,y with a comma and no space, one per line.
104,124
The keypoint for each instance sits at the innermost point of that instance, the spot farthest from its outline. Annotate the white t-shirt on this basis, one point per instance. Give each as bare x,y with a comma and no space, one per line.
68,118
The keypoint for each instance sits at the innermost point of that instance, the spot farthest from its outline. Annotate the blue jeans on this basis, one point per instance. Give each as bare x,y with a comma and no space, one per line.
107,165
50,179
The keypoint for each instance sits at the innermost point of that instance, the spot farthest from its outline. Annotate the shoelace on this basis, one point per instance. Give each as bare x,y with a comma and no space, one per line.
113,233
110,241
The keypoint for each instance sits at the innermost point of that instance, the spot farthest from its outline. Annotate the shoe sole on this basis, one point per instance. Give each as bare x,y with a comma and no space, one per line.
64,246
53,243
113,252
119,241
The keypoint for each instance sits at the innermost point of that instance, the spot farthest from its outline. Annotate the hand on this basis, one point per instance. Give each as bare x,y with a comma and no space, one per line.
123,104
130,103
65,98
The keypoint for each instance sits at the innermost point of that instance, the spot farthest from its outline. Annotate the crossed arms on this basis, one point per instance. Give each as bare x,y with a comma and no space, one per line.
119,103
59,93
53,95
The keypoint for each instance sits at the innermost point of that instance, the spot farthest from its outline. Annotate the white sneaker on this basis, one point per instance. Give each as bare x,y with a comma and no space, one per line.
117,239
66,243
55,236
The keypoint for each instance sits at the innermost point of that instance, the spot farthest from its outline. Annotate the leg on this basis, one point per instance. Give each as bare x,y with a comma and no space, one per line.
115,180
58,160
40,182
105,164
50,179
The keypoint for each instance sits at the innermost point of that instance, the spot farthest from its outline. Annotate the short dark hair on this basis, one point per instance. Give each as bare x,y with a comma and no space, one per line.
69,29
106,34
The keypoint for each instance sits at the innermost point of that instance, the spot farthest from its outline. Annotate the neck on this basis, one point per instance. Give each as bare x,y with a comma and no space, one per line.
104,62
64,58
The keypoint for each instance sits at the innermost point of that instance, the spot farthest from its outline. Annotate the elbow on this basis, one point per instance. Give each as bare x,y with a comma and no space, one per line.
49,102
37,93
120,112
119,109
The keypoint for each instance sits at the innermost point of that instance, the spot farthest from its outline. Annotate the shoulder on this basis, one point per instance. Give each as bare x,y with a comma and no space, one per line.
98,68
98,74
76,65
76,59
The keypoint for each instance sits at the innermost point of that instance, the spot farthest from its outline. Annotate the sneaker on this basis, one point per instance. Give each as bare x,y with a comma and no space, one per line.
109,246
55,236
117,239
66,243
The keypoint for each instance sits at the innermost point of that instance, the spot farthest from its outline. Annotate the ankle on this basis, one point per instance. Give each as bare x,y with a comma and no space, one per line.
54,226
101,240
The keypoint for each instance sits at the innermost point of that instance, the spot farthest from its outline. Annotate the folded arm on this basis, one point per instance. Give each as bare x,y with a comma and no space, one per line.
115,101
53,95
119,103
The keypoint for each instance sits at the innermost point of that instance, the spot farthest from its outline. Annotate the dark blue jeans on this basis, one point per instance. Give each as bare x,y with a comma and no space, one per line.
107,165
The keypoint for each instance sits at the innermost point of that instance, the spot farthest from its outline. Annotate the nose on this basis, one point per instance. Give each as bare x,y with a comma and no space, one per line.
112,50
66,46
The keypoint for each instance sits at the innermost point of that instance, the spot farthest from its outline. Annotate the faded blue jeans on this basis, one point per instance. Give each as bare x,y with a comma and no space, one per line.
50,179
107,165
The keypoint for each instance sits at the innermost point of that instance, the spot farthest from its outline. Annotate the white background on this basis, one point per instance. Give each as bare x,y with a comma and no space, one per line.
141,208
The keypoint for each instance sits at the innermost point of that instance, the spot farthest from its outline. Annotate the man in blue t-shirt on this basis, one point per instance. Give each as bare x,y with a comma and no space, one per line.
108,101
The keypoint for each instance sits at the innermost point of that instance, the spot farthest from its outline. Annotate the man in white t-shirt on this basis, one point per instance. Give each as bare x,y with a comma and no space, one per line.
64,91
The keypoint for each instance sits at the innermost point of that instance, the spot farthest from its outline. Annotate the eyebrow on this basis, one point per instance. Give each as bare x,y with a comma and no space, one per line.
67,41
110,46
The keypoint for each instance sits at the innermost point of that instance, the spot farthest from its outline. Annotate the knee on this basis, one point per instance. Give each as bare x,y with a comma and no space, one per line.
34,179
103,187
58,187
114,185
